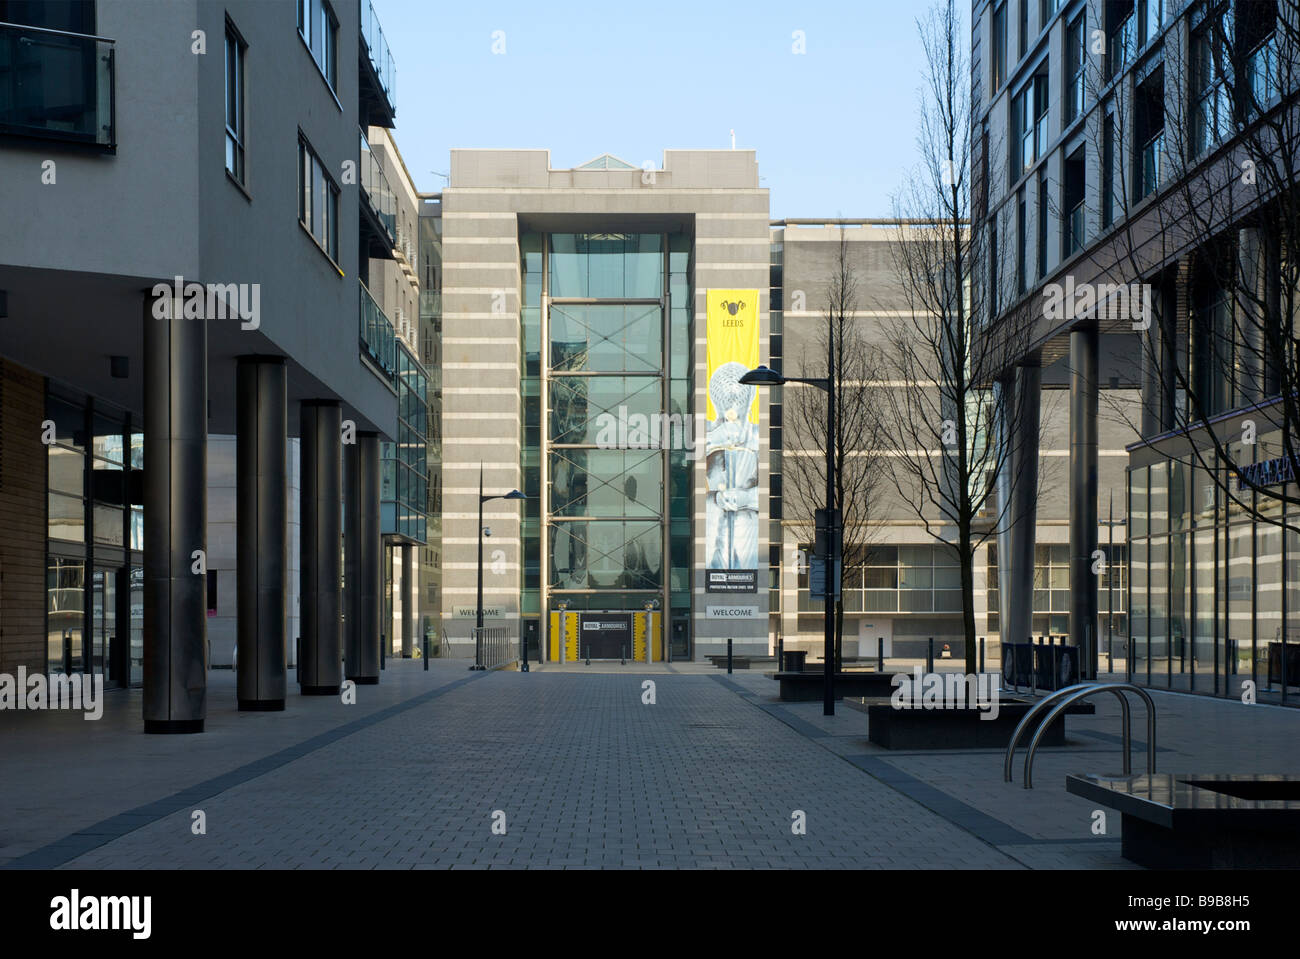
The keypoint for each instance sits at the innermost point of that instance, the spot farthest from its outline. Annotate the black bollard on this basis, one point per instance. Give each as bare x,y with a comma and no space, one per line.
728,655
426,652
981,654
929,657
880,654
383,649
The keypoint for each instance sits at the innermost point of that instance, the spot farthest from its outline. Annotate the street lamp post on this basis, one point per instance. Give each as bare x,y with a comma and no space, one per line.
1110,525
763,376
478,613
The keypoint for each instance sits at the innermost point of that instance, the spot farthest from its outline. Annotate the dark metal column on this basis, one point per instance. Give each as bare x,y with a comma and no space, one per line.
1004,395
262,510
1083,497
320,672
362,549
408,601
175,519
1022,414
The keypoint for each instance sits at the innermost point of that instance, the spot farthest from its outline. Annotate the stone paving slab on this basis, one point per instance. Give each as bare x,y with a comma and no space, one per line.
586,775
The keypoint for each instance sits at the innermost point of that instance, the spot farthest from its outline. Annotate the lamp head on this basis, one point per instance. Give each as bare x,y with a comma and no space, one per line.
762,376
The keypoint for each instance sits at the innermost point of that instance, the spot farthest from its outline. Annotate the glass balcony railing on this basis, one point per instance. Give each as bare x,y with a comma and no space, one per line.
430,303
56,85
1074,230
1123,46
1262,72
380,57
378,339
1151,158
378,193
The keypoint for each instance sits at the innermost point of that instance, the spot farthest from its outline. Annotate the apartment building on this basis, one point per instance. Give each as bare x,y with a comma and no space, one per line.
187,246
1125,151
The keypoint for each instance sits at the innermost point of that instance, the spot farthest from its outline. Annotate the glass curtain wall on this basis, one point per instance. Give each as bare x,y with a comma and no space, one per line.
95,538
607,514
1214,579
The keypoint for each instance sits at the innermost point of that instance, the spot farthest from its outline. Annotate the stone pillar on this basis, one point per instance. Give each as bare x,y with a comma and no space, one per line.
262,508
1258,305
320,670
1019,535
362,548
175,518
1083,497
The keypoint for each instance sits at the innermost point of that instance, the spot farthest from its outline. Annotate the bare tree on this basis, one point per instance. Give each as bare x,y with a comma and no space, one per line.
949,436
859,475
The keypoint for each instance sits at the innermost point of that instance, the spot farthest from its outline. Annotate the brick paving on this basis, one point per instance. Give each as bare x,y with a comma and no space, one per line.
583,774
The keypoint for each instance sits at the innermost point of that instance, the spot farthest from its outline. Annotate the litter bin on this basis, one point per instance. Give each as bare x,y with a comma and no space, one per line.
1057,666
794,660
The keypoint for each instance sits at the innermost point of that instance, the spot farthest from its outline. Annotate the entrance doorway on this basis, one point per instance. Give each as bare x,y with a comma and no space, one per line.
110,627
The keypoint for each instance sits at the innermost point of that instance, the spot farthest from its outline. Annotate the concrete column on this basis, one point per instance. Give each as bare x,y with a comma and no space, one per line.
320,671
1019,534
1083,497
362,549
408,602
262,510
175,511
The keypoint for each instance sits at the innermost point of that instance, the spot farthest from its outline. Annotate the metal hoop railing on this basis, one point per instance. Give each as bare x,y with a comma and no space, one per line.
1061,700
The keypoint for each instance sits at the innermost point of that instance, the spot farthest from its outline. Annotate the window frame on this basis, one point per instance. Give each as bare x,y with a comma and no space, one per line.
316,185
998,41
318,28
236,138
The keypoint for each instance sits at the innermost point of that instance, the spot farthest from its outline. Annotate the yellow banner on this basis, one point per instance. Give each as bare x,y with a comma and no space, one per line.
732,317
731,447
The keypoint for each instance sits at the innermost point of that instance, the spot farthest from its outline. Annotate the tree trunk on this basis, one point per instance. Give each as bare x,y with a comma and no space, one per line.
967,560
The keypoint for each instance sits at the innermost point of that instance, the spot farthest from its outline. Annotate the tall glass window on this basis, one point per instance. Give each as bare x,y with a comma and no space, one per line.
234,104
617,529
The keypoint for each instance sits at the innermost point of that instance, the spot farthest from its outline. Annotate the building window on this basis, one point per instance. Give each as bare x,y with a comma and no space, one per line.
1149,23
1108,170
234,104
318,201
1074,61
1073,193
1046,10
1029,120
1149,134
1022,227
1257,37
1122,33
1044,217
1022,38
993,298
999,46
319,29
1212,111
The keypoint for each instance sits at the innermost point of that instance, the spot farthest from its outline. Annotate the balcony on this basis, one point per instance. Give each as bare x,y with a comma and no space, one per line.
57,86
378,339
378,206
377,73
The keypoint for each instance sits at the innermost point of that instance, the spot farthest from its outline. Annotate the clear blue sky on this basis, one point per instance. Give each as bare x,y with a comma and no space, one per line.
834,127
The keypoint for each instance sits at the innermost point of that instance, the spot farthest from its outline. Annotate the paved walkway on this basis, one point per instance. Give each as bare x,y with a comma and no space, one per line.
580,773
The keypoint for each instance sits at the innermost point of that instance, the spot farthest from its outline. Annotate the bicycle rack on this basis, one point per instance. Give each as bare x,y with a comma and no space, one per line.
1061,700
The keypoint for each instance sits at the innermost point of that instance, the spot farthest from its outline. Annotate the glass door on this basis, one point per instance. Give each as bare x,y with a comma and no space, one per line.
107,632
